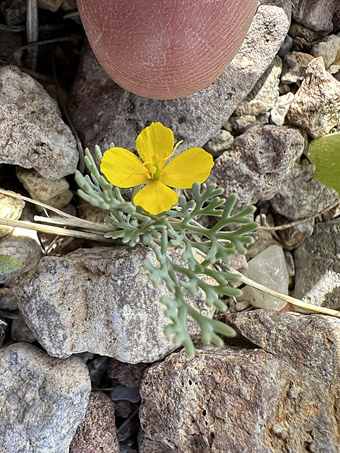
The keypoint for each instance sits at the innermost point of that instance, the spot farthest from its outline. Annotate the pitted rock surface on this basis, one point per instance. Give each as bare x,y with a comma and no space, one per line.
104,113
42,400
99,300
257,163
280,396
32,133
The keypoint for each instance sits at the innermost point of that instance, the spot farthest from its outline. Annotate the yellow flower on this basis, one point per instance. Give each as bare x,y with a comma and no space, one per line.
155,144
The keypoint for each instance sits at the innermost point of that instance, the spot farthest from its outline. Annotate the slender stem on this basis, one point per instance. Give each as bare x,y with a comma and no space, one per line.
79,223
284,297
53,230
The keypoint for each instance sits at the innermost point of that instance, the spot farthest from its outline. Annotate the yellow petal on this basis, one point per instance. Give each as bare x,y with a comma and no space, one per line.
155,143
193,165
155,197
122,168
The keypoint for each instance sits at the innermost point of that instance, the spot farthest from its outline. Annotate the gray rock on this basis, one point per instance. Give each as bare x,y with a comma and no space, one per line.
317,261
301,196
104,112
23,248
257,163
316,105
263,96
268,268
32,133
42,400
303,37
282,397
97,432
99,300
219,143
329,49
316,14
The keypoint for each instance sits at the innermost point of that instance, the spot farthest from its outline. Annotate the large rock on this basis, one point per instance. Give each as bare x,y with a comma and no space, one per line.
99,300
316,105
103,112
282,396
300,195
317,261
316,14
42,400
258,161
32,133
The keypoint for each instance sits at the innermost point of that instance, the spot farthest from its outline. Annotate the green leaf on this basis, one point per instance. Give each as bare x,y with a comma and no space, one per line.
9,264
324,152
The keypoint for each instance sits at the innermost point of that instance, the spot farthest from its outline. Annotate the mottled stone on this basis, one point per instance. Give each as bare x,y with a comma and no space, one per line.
294,66
55,193
25,249
303,37
294,236
301,196
126,373
282,397
32,133
316,105
125,115
317,261
42,400
100,300
11,209
97,432
219,143
329,50
257,162
280,109
263,96
316,14
268,268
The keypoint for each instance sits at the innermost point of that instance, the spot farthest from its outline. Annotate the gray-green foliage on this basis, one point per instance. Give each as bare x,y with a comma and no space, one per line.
179,228
9,264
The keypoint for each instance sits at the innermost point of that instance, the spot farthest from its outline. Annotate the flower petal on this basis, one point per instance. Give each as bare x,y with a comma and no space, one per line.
155,197
155,143
192,165
122,168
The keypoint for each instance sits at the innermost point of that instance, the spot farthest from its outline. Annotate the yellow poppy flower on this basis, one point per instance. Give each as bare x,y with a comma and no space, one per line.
155,145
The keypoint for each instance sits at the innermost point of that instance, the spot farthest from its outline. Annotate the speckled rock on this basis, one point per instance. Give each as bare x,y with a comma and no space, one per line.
97,432
99,300
301,196
126,373
329,50
25,249
11,209
42,400
303,37
316,14
317,260
32,133
263,96
257,162
316,105
282,397
125,115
